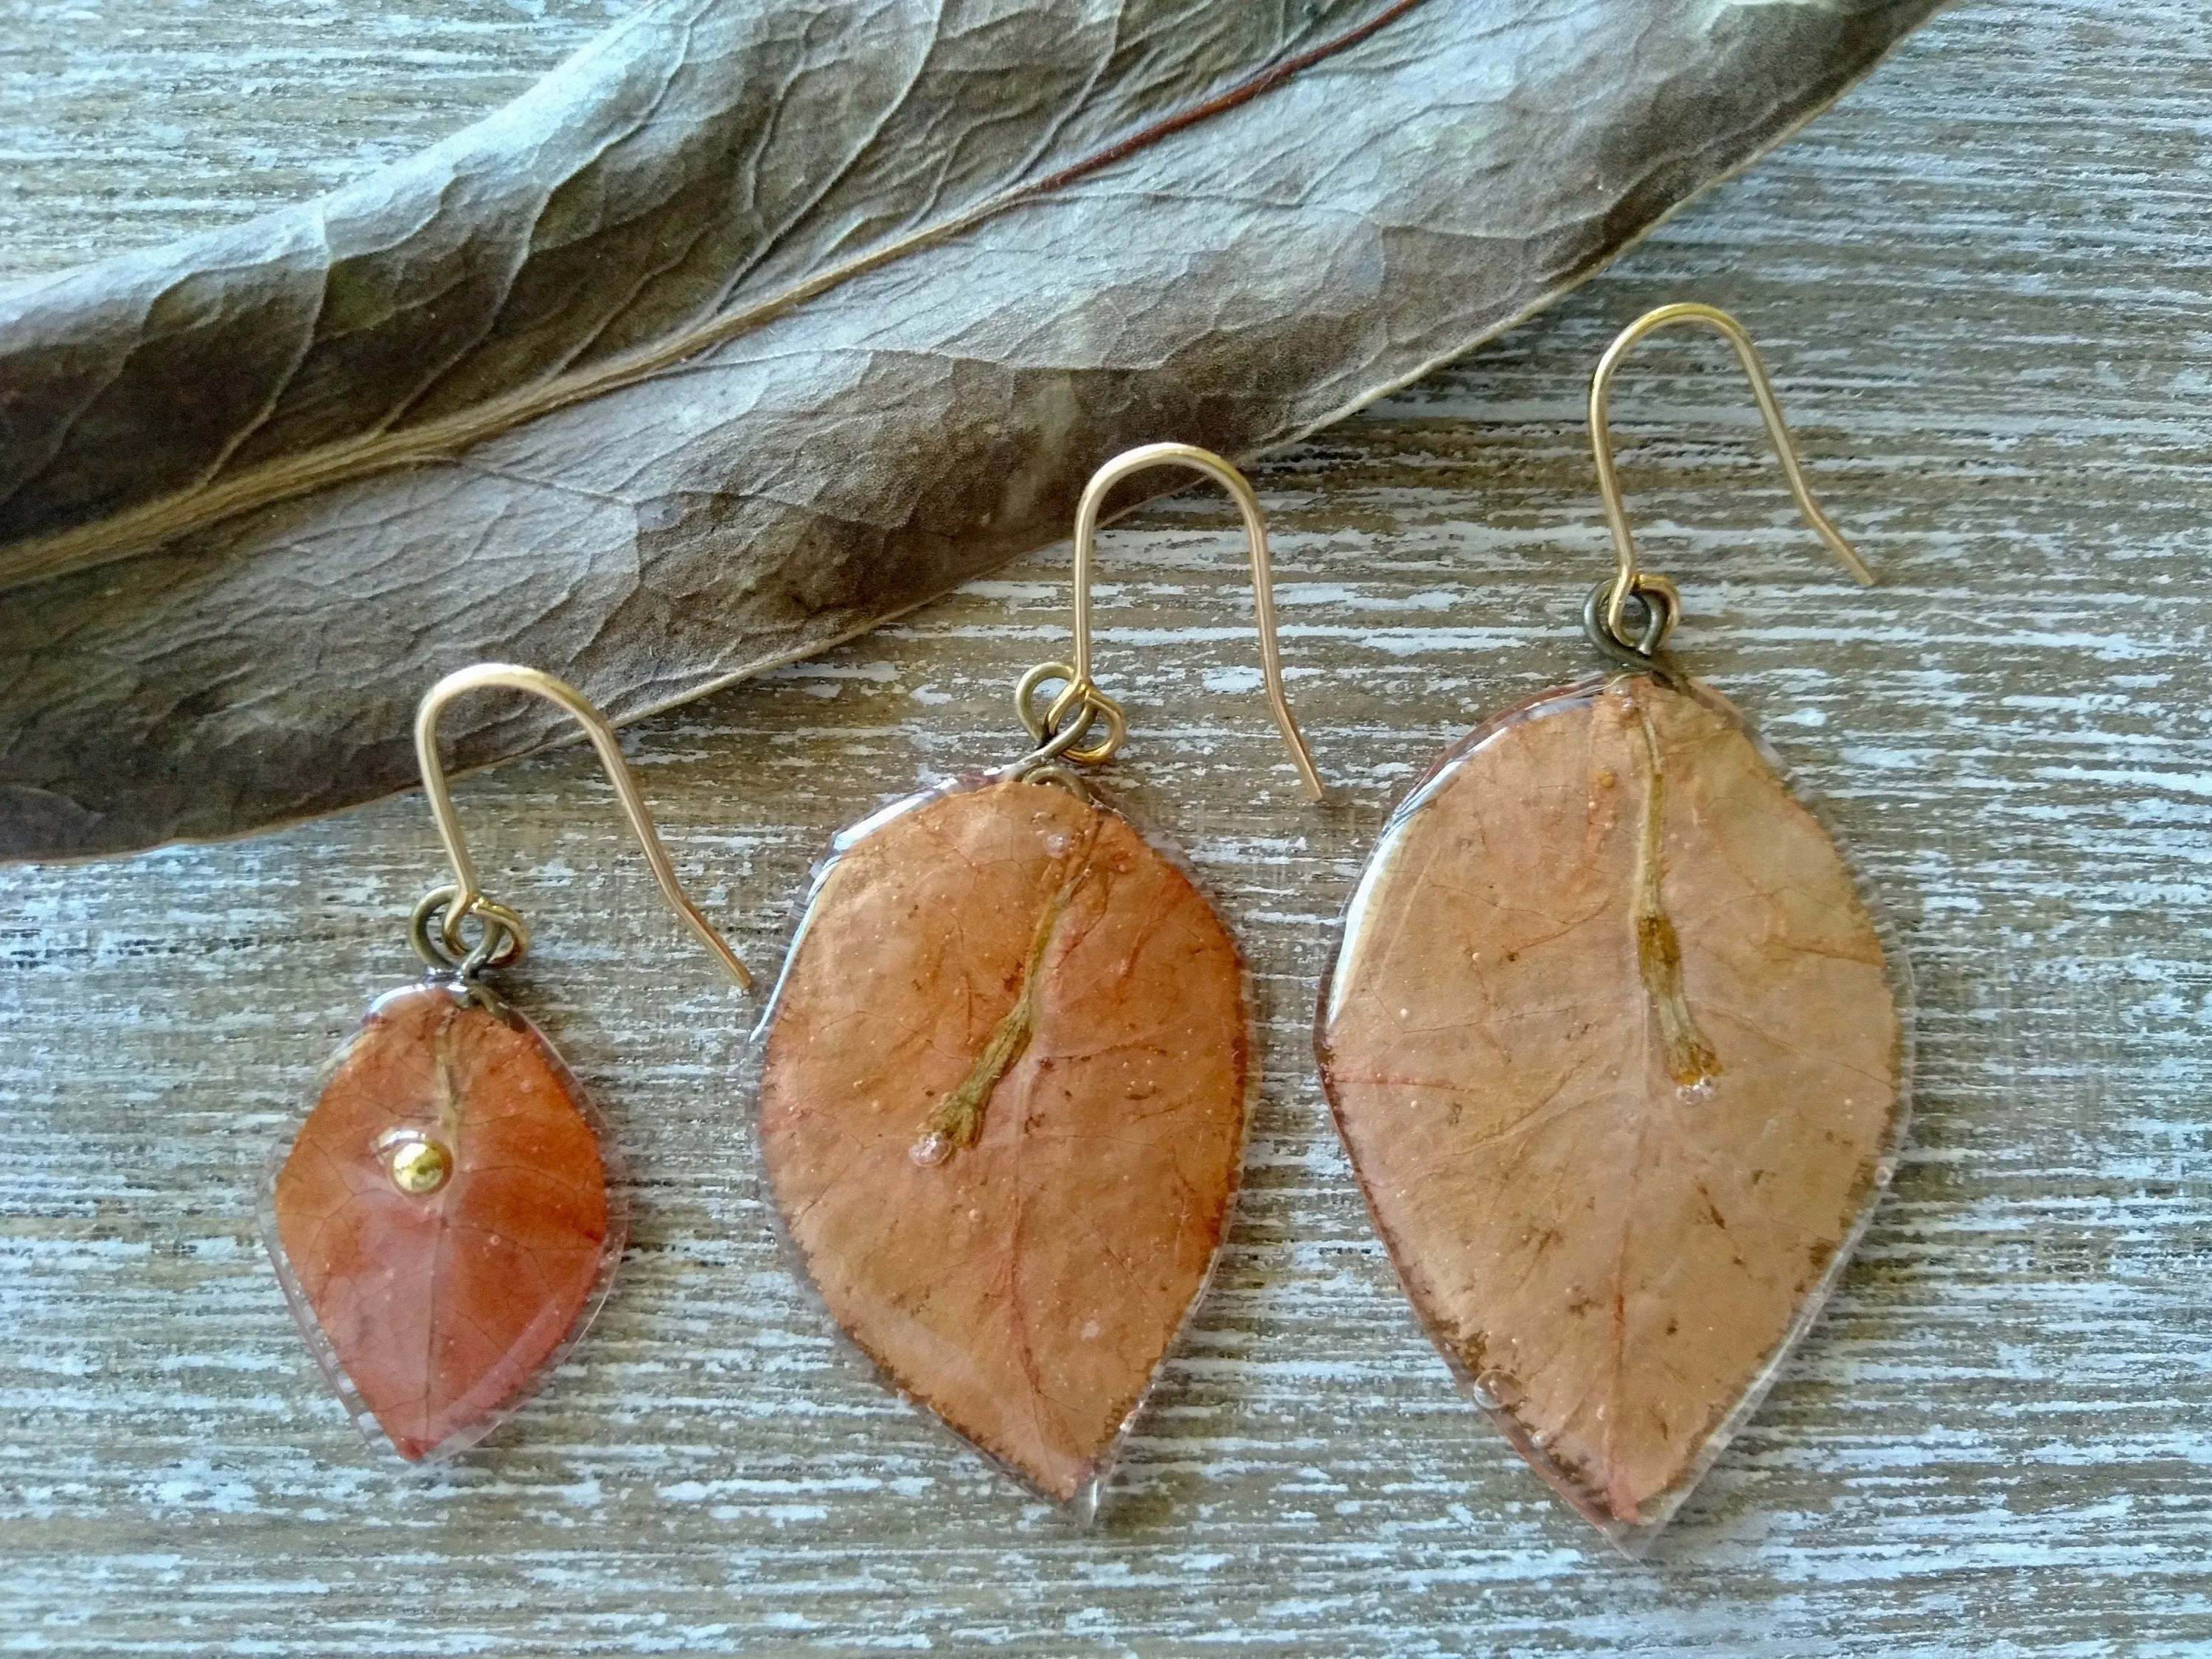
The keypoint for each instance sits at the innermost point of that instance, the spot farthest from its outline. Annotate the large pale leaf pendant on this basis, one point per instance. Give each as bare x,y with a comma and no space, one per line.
442,1223
1614,1046
1003,1112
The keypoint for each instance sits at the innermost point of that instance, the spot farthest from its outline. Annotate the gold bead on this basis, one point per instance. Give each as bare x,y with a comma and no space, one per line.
418,1166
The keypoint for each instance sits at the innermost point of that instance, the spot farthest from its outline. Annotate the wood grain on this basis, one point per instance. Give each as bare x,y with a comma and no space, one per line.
1982,282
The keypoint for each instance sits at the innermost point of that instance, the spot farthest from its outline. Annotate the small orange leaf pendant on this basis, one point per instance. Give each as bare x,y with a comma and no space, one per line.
442,1223
1003,1112
1615,1049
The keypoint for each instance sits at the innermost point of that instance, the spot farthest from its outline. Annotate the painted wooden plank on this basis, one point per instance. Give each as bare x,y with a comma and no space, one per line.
1982,282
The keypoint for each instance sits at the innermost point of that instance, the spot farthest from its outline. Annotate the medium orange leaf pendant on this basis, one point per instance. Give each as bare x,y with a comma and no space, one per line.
443,1224
1003,1112
1615,1048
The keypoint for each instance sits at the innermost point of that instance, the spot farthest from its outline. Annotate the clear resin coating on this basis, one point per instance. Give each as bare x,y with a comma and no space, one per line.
1618,1055
1003,1112
443,1224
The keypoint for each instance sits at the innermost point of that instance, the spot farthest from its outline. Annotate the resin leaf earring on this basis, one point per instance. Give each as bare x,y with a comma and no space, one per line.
443,1222
1616,1050
1007,1072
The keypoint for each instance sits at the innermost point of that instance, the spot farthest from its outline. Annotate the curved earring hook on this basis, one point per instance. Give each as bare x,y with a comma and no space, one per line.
465,897
1631,580
1082,698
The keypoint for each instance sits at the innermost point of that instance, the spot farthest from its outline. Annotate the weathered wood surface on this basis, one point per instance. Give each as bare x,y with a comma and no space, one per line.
1983,283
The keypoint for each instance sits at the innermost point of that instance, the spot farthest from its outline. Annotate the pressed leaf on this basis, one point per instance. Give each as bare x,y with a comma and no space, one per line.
436,1310
1003,1112
1616,1051
762,320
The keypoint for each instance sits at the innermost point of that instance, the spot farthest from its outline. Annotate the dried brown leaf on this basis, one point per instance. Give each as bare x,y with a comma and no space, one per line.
438,1310
1614,1048
762,320
1003,1112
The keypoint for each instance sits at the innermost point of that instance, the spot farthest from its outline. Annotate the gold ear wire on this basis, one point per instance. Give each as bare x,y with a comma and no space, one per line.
505,937
1071,711
1629,579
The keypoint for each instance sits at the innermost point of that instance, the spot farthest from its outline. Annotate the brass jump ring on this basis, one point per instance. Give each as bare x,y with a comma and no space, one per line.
1661,606
1068,718
1087,697
1038,725
505,937
1050,773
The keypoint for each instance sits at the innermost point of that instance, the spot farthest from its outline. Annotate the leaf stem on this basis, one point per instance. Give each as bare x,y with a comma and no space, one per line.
958,1118
1690,1059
